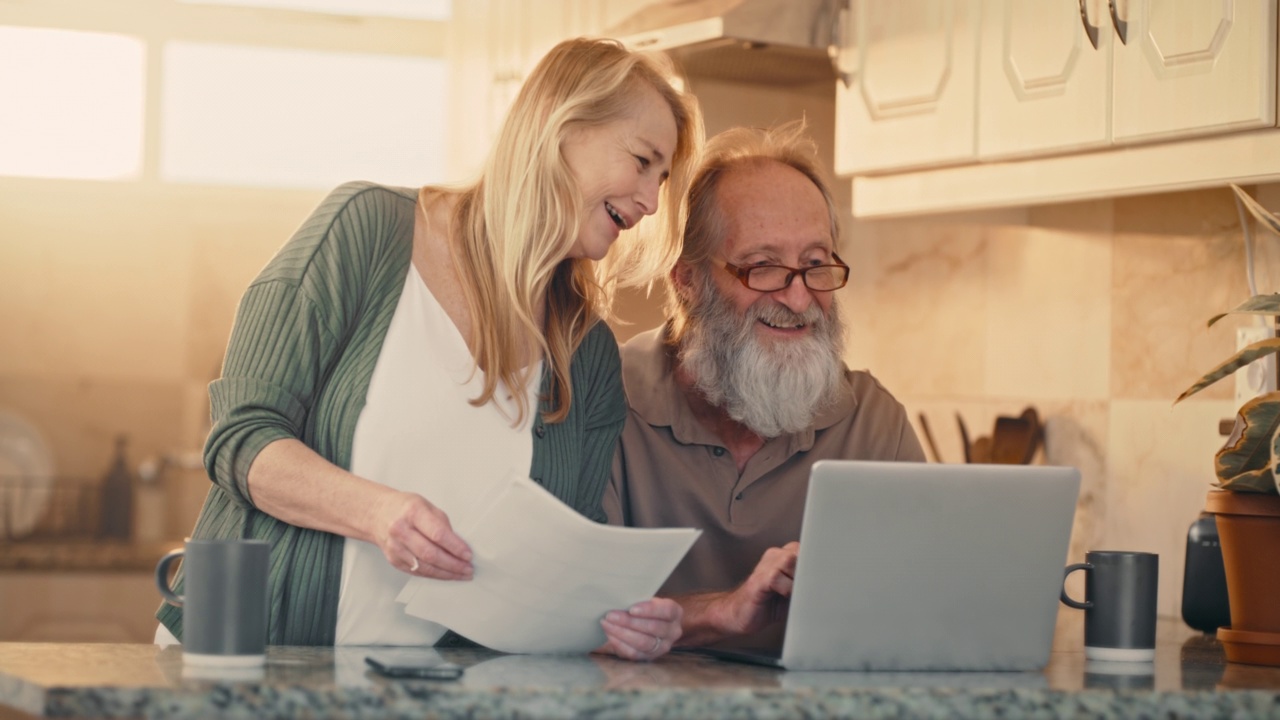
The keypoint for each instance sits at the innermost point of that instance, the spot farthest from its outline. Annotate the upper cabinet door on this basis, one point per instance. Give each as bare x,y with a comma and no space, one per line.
910,97
1044,73
1190,67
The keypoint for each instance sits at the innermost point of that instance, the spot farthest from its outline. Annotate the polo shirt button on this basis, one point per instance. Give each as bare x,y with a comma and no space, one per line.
738,496
718,451
540,431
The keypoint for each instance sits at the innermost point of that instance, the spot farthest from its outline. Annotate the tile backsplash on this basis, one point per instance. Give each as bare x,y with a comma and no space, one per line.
1094,313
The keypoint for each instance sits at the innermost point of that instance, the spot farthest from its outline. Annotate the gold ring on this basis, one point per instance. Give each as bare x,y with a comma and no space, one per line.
414,566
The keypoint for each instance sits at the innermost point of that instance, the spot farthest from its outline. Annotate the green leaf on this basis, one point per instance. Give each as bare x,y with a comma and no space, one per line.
1264,216
1256,305
1248,354
1259,481
1248,450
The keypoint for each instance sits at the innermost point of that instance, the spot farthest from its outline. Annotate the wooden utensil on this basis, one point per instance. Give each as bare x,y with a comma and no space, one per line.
928,438
1015,440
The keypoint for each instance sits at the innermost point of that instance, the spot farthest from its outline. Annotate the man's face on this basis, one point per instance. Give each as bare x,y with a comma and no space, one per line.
771,360
774,215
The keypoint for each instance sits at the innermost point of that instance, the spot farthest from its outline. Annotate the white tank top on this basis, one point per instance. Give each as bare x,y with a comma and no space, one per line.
418,432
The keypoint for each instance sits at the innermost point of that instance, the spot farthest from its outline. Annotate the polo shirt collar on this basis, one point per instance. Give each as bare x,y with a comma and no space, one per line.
652,392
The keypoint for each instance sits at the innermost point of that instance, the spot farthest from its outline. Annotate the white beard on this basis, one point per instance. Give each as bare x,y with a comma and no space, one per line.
773,388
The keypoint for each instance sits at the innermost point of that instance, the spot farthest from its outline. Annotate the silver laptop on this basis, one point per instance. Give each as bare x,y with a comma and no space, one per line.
914,566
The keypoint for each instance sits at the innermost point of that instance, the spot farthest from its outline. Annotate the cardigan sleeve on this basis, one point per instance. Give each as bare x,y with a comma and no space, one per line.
604,406
291,326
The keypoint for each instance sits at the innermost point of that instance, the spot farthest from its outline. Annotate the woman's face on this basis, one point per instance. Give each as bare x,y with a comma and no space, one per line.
619,167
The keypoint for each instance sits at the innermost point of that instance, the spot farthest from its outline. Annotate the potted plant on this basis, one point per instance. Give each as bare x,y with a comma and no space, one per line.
1246,496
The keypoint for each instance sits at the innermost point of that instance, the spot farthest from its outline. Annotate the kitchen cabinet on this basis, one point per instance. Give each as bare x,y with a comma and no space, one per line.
78,606
1193,67
497,43
507,41
1074,75
1043,77
1080,99
79,590
517,33
909,88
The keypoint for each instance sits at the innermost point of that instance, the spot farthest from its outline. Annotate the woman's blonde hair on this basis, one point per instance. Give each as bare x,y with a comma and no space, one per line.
516,225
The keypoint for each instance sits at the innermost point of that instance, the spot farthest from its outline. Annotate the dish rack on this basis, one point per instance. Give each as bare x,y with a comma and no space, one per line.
44,509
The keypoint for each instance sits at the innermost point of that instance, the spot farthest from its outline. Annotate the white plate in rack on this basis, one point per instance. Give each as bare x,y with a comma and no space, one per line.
26,475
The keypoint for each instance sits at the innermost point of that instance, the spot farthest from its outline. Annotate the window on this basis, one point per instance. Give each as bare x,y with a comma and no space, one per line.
215,96
407,9
71,103
294,118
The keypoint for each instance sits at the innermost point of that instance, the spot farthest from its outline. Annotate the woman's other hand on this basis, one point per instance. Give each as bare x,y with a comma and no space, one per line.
643,631
416,537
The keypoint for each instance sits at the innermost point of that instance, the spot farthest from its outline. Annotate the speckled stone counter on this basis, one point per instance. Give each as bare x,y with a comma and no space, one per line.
1189,678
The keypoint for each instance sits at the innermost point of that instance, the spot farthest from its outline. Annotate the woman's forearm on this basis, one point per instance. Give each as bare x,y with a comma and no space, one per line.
291,482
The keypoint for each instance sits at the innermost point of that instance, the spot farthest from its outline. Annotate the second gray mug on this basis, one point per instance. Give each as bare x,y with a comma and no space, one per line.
1119,604
224,600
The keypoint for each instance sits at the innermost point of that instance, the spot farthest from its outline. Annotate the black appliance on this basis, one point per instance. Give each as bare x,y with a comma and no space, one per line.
1204,582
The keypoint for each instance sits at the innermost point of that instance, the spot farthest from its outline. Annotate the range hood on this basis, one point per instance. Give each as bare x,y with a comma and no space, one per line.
776,42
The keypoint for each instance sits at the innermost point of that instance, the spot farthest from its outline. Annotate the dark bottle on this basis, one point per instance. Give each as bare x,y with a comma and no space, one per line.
117,498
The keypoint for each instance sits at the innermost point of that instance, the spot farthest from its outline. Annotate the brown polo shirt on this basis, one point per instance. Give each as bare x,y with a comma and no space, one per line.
671,471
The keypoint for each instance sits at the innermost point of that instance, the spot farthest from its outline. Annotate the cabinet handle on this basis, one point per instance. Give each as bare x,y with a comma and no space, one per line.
1122,26
1090,30
838,51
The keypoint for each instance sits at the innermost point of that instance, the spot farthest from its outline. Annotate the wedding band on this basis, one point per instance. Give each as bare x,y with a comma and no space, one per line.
414,566
657,643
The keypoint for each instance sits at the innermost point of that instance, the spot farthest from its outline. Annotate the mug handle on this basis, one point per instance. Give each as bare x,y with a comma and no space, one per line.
162,578
1075,603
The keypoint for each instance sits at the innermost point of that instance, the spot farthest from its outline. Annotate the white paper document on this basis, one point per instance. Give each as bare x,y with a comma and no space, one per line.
544,575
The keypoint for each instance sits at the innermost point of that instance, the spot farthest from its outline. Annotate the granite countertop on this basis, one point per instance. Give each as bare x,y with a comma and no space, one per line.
1189,678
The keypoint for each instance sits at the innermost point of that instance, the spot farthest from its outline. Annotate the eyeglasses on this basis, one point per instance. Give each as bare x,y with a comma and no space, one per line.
772,278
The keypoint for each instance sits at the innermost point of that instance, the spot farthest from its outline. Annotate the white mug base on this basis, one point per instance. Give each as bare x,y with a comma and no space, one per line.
224,661
1120,654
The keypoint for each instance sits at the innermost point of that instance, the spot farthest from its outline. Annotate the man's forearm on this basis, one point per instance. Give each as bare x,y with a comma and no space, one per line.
704,618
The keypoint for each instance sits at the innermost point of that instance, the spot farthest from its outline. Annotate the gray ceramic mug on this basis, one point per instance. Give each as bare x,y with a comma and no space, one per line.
1120,604
224,601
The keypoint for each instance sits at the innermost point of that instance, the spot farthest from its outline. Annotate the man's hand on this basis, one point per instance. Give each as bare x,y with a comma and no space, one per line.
757,603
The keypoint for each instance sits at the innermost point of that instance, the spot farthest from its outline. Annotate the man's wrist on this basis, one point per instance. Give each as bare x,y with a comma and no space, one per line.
705,618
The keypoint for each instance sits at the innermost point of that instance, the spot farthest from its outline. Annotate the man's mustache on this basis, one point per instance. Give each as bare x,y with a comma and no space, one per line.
783,316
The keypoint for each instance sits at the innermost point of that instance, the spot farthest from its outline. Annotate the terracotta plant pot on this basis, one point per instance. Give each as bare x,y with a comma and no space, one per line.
1249,532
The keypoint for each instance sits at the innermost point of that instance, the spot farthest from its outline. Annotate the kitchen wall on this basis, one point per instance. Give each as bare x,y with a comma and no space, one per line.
115,304
116,300
1093,312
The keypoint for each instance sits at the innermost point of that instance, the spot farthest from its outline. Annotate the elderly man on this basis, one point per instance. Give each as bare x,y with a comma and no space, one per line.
743,387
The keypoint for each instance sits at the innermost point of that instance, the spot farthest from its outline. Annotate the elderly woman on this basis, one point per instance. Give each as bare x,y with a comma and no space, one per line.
406,349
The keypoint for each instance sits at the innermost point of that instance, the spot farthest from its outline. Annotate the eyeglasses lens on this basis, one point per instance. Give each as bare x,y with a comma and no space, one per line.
771,278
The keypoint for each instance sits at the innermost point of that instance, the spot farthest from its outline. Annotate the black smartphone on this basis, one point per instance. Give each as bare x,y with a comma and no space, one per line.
423,665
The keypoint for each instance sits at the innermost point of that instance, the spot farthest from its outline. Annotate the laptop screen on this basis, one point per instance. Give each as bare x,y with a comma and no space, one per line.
914,566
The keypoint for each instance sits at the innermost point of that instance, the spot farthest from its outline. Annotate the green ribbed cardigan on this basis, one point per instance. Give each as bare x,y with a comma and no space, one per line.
306,337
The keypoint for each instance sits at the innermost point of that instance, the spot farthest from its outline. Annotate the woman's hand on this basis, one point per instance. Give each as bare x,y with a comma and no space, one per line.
292,483
643,631
416,537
